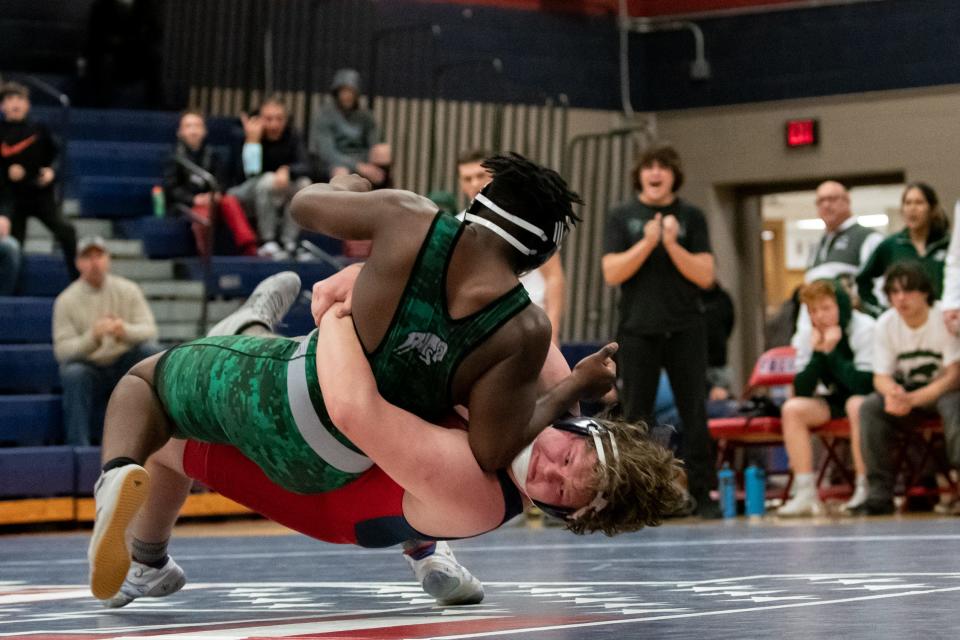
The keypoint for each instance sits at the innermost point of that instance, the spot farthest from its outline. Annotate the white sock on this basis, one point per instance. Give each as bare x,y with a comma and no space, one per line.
805,484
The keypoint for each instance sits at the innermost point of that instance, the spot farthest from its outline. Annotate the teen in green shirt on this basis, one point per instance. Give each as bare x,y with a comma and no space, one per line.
924,240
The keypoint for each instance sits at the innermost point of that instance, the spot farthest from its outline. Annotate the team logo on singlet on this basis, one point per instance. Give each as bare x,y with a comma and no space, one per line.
428,346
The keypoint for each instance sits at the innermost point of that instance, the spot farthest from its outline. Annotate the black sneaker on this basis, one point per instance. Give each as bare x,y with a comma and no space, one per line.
874,507
708,509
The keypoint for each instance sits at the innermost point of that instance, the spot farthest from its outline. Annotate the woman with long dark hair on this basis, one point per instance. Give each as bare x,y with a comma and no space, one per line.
923,239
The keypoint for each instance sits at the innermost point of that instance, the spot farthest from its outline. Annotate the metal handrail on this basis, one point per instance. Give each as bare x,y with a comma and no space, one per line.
213,186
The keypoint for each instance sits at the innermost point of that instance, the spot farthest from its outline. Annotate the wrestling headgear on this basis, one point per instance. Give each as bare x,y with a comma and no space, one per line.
588,428
537,243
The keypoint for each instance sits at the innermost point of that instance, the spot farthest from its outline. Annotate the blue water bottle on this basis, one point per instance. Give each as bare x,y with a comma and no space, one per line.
755,481
727,485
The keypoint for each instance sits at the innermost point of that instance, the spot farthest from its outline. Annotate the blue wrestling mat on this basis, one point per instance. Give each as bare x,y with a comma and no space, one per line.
887,578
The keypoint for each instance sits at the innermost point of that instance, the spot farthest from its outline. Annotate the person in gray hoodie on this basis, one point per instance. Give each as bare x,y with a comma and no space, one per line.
834,374
345,136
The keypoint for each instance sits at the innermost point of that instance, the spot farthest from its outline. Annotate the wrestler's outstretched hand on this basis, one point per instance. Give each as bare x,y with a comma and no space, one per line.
336,288
597,373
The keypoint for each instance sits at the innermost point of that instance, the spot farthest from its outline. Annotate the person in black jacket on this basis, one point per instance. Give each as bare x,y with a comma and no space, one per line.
185,189
720,318
28,156
273,166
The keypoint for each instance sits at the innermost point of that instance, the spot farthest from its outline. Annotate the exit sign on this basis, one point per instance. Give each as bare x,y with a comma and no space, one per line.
802,133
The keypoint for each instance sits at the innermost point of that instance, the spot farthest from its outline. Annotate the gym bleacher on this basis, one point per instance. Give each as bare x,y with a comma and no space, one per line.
113,159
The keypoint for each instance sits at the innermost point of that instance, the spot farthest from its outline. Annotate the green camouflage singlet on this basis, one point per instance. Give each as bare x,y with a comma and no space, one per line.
261,395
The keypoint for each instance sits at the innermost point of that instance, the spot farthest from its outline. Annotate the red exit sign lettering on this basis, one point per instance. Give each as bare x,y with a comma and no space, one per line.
802,133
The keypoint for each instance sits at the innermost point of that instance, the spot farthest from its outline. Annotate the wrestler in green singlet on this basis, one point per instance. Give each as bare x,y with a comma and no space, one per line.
261,394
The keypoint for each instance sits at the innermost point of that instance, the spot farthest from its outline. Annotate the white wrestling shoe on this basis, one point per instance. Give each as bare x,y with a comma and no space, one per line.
267,305
119,494
446,579
801,506
143,581
269,249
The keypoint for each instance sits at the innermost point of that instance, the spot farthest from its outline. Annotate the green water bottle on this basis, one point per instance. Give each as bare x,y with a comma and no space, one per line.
159,204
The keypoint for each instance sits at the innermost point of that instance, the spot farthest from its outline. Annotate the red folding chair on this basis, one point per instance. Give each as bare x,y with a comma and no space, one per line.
832,435
775,368
926,440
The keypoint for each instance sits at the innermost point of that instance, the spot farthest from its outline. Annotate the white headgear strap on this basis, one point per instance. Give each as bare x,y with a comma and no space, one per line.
559,227
521,466
516,244
598,502
509,217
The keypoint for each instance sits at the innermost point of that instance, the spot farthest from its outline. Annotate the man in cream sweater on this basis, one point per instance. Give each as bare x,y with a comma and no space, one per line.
102,326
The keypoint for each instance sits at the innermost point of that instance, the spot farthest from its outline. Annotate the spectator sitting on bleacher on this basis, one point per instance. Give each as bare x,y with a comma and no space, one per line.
185,189
916,375
9,258
833,365
345,136
102,326
924,239
28,155
272,165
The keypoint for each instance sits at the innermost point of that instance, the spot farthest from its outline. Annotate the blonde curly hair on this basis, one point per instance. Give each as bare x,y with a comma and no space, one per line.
641,483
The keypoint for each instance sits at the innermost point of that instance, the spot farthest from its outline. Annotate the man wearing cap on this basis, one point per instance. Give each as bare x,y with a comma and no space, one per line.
28,157
346,137
102,326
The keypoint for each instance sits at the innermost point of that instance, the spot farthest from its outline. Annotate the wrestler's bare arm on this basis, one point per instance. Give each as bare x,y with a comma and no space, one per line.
446,489
555,369
347,209
339,288
513,400
503,402
506,411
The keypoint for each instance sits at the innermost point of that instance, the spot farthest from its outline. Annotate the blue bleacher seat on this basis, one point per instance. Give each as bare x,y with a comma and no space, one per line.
96,158
114,197
224,132
124,125
43,275
574,352
31,419
333,246
161,237
28,368
88,469
37,471
24,319
120,125
298,321
237,276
